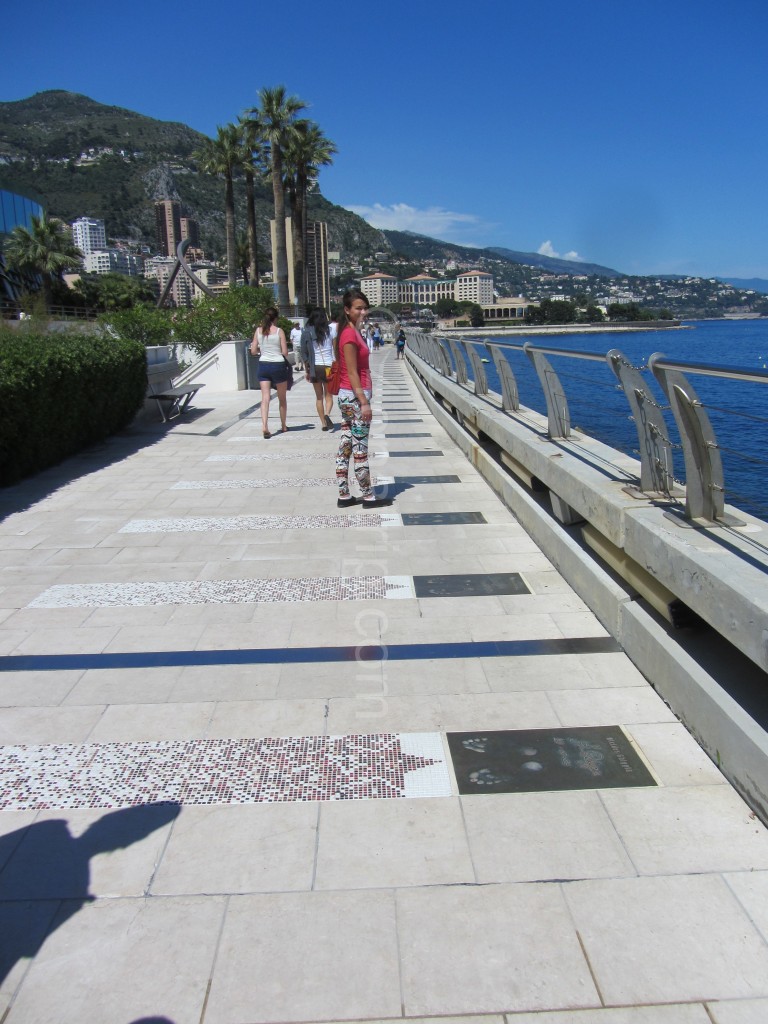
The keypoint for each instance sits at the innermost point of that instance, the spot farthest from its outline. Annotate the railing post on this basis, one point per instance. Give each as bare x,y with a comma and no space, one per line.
481,377
558,416
458,359
704,485
656,468
510,400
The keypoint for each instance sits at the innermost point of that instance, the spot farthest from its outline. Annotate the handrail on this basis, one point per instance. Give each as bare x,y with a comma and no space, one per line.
704,488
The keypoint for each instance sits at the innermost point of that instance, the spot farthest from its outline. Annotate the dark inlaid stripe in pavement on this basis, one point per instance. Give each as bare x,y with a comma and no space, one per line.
309,655
424,434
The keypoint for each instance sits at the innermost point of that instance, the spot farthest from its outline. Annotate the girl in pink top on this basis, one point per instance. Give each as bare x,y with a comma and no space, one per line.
355,390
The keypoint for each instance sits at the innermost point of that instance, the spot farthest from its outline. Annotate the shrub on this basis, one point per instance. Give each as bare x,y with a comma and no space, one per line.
60,393
233,314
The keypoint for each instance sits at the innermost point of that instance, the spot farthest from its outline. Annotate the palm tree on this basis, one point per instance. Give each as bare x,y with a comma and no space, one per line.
276,118
307,152
45,249
252,157
221,156
243,248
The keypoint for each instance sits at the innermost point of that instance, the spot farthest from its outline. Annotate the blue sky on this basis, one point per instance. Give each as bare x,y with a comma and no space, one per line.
626,134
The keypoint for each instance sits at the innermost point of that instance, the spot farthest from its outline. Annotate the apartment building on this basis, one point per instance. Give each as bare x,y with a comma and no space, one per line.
381,289
474,286
89,234
113,261
168,226
160,268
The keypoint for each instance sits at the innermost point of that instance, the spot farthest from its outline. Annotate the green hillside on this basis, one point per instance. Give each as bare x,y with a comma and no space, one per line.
41,142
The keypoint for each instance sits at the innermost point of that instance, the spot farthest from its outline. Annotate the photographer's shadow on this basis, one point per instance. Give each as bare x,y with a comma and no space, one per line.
45,873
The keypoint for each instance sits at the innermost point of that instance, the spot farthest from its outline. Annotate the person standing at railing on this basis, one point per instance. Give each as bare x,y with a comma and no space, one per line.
355,392
270,346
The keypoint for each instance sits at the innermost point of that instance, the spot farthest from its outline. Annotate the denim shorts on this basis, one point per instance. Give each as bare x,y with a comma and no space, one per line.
274,373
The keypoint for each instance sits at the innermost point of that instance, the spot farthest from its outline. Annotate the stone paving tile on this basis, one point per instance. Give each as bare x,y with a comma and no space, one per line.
530,837
154,958
242,849
678,1013
398,845
747,1011
668,939
497,954
341,945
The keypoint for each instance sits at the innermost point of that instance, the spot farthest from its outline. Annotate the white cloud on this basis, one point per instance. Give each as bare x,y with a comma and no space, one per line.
434,221
547,249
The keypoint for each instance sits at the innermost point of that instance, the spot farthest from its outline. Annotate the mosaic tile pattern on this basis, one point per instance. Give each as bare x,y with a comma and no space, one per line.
378,766
205,524
286,457
286,590
241,485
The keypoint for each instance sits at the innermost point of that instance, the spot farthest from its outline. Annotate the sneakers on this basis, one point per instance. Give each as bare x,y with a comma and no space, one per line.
347,502
375,502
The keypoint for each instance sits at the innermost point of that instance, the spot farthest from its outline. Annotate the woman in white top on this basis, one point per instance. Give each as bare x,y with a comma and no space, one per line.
317,355
270,346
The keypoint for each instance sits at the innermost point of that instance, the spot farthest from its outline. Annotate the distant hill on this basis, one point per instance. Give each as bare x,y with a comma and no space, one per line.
755,284
43,137
421,247
554,266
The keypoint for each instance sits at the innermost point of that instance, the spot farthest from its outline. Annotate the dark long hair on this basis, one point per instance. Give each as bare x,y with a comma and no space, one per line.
343,320
319,321
270,316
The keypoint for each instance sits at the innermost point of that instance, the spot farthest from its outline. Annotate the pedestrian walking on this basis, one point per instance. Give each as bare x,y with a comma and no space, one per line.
275,371
317,356
296,345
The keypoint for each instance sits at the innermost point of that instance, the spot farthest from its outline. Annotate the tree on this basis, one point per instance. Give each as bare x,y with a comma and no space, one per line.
307,151
476,318
222,156
276,118
106,292
46,249
252,155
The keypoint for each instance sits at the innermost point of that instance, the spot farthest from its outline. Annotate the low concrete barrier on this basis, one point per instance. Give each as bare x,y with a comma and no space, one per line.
647,575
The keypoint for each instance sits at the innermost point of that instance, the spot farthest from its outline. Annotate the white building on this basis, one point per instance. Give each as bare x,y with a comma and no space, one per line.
89,234
474,286
423,290
381,289
112,261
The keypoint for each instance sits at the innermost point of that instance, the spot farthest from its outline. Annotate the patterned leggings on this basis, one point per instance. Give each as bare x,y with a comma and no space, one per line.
353,442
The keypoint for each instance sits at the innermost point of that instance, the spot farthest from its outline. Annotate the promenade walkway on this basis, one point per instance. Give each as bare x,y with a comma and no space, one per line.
265,760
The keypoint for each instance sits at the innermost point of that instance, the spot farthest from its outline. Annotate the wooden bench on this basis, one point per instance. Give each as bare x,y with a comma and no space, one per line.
171,400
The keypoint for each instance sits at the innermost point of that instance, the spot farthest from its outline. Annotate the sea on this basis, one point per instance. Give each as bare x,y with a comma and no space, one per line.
737,410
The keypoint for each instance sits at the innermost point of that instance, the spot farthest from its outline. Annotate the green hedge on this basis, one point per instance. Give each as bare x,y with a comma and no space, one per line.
60,393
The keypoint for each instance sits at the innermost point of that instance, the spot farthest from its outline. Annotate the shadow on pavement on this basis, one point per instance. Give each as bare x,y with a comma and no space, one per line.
45,873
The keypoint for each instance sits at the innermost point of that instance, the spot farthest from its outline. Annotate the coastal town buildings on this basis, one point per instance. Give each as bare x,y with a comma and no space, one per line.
113,261
159,269
424,290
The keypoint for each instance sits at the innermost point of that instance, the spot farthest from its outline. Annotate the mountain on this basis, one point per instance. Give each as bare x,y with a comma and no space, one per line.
135,160
553,265
755,284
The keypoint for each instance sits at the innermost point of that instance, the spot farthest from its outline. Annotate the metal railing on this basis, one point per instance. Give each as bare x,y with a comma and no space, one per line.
704,481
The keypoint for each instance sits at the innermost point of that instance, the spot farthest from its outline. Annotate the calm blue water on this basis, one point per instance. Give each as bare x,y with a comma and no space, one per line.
738,411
